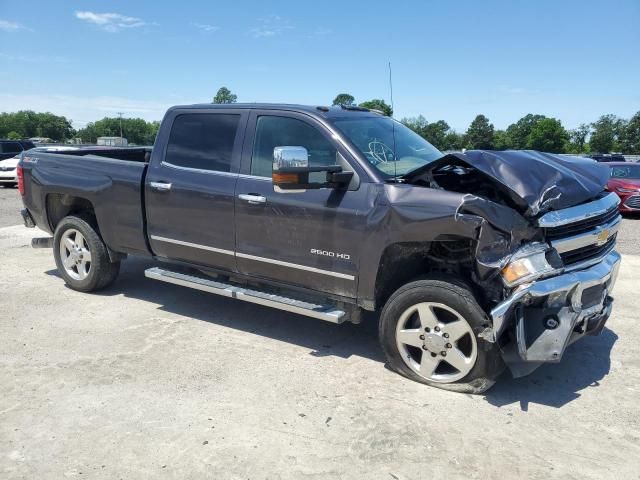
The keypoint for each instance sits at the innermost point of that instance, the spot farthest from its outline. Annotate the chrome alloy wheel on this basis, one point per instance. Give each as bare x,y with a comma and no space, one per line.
75,254
436,342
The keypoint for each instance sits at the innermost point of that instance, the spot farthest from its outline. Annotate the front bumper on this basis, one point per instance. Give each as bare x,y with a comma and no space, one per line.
8,176
550,314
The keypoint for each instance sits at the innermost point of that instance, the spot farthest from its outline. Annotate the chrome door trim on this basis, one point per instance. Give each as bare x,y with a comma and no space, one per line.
193,245
199,170
295,265
254,257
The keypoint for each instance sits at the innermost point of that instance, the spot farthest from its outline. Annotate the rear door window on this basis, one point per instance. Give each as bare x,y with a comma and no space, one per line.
10,147
203,141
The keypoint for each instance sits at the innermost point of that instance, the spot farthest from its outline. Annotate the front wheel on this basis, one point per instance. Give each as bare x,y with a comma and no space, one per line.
429,331
81,255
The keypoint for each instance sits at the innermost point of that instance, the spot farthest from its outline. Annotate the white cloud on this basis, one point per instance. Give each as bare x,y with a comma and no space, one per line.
7,26
111,22
270,26
34,58
205,27
85,109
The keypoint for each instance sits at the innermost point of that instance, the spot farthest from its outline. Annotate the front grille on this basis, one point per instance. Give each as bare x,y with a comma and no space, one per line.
7,169
582,226
587,253
633,201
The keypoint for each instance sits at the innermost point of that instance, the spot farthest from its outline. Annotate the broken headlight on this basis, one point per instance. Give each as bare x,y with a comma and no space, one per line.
527,264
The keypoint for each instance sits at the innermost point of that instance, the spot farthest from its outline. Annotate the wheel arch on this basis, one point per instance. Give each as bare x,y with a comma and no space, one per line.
403,262
59,206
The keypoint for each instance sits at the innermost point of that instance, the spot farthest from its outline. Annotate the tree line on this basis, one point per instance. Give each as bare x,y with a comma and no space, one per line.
29,124
532,132
535,132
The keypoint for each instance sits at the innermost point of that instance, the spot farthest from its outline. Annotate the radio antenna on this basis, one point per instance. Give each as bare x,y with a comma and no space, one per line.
391,87
393,125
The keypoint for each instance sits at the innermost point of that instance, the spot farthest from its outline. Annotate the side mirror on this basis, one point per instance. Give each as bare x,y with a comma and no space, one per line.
291,171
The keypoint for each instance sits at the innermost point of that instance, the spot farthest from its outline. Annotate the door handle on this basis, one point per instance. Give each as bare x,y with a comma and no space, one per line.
160,186
252,198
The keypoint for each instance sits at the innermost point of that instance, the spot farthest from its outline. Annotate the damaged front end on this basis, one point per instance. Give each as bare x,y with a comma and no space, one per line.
553,255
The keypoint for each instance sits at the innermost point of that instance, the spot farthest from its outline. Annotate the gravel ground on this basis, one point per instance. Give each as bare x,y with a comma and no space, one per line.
150,380
10,206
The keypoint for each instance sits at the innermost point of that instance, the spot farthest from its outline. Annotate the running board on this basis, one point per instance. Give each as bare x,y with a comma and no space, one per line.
322,312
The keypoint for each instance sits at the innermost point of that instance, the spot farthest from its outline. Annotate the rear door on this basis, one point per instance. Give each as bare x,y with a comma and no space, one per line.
306,238
190,186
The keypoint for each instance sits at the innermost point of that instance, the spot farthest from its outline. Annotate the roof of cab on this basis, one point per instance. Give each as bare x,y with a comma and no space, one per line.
321,110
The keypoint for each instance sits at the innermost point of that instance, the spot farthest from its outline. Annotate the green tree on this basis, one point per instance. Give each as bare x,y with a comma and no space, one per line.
135,130
224,95
453,141
378,104
344,99
480,134
548,135
436,133
502,140
578,139
417,124
606,132
518,133
27,123
630,136
13,135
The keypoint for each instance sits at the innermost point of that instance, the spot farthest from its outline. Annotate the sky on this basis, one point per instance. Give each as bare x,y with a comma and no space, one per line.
451,60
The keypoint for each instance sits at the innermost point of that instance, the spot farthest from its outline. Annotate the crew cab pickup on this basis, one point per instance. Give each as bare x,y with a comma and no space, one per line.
472,261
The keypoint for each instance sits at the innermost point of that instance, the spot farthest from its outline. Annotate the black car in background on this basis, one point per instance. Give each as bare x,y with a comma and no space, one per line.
608,157
11,148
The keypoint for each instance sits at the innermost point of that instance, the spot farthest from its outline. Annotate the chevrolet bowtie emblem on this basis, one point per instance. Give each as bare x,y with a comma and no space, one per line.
603,236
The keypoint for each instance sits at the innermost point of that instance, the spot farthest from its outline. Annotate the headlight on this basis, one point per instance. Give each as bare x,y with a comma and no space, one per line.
626,190
527,265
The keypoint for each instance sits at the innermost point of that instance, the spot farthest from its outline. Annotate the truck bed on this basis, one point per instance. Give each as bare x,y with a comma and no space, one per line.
110,179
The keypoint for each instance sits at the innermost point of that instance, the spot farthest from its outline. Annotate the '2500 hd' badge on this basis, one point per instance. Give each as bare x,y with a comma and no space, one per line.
326,253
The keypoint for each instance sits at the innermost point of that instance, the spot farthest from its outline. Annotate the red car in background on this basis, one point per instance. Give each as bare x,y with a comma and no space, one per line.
624,179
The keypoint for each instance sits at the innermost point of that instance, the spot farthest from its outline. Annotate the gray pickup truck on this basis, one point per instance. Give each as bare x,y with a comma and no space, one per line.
472,261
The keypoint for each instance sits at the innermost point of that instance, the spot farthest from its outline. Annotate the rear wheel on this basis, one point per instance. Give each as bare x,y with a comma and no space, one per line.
81,255
429,332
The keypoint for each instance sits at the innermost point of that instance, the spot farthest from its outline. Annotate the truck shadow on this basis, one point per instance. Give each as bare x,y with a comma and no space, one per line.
583,365
322,338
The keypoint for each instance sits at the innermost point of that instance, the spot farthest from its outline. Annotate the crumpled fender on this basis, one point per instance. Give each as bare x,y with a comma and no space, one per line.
408,213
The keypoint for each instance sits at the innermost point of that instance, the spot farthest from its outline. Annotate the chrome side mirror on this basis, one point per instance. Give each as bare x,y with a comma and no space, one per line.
290,157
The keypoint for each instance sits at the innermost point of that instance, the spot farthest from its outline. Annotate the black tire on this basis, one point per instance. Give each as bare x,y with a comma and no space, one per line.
102,272
456,295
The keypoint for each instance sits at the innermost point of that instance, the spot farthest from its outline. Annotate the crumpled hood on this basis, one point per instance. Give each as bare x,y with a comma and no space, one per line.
536,182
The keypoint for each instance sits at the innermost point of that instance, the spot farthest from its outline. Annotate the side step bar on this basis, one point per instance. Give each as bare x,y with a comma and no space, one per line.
322,312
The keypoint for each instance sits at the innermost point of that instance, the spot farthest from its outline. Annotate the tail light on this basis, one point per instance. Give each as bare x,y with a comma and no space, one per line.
20,180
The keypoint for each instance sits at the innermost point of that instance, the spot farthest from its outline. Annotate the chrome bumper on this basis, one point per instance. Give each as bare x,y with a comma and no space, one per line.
550,314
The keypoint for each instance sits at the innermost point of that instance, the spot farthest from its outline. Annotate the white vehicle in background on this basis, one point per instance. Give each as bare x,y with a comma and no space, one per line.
8,175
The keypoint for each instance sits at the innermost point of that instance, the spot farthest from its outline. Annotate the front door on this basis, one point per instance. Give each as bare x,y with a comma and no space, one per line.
189,190
306,238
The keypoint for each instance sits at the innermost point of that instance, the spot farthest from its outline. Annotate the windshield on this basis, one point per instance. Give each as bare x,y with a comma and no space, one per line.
626,171
374,137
